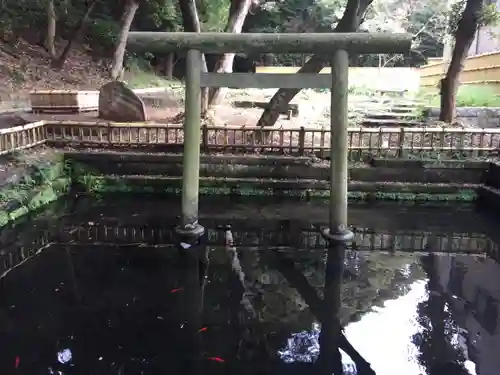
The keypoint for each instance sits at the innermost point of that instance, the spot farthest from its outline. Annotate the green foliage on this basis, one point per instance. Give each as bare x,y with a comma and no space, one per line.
489,16
41,183
103,33
21,14
477,96
454,16
158,15
103,26
471,96
214,15
139,74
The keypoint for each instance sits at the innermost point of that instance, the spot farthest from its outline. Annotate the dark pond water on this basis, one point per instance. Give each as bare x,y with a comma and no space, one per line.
111,294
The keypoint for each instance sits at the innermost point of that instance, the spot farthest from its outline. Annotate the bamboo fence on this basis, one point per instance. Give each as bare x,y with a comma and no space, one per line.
380,142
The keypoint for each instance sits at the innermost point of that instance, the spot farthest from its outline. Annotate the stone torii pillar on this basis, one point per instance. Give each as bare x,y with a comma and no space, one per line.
334,46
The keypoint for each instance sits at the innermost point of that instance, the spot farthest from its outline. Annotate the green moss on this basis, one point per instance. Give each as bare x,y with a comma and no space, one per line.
41,184
114,184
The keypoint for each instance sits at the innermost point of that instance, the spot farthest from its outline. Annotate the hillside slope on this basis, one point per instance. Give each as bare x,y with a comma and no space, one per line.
25,67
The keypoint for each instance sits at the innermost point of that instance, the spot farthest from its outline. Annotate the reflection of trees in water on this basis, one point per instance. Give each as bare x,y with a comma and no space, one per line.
369,281
439,352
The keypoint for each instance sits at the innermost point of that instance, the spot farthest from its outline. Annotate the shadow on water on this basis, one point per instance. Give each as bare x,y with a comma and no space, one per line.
110,296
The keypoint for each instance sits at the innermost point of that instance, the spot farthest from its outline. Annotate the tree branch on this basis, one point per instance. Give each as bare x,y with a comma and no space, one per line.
351,19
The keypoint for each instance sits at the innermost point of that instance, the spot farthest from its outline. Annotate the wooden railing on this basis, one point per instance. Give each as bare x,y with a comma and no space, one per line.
15,254
416,242
389,141
382,142
22,137
365,240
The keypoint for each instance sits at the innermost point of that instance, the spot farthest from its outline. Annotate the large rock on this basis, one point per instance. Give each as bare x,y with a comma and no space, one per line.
119,103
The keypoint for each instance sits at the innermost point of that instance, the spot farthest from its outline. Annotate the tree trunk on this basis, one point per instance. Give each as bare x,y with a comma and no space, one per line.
169,65
352,18
191,23
269,59
59,62
466,30
51,29
237,14
129,10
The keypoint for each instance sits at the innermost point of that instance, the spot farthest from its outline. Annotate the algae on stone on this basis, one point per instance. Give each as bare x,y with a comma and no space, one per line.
36,183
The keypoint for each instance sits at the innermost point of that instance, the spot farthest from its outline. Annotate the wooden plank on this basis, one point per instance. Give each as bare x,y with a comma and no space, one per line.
266,80
214,42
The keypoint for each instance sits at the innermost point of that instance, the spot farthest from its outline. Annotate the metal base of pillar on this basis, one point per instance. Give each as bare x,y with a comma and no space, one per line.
341,236
191,232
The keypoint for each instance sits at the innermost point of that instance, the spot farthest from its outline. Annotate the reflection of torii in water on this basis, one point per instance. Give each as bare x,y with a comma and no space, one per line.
319,307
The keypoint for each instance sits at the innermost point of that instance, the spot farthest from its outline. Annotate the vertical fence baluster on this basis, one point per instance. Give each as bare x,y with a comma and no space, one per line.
302,140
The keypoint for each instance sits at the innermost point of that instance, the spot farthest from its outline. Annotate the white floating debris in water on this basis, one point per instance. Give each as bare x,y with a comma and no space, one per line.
100,358
64,356
185,245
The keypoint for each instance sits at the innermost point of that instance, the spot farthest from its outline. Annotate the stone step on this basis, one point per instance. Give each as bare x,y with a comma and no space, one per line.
390,115
291,109
370,122
299,184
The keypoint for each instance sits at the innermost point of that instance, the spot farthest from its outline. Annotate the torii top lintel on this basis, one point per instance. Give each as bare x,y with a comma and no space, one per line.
319,43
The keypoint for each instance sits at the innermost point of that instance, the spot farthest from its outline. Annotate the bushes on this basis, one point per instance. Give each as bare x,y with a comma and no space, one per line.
471,96
101,35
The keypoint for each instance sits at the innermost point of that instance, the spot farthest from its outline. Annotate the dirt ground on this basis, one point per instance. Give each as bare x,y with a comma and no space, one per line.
314,111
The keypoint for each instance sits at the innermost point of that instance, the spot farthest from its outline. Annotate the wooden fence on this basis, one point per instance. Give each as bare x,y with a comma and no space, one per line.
364,240
382,142
371,78
415,242
482,69
389,141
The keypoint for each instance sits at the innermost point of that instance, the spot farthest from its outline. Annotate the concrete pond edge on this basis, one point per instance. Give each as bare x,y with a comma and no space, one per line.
432,180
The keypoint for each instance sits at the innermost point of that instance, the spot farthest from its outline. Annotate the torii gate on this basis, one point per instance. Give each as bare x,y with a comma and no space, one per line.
334,46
